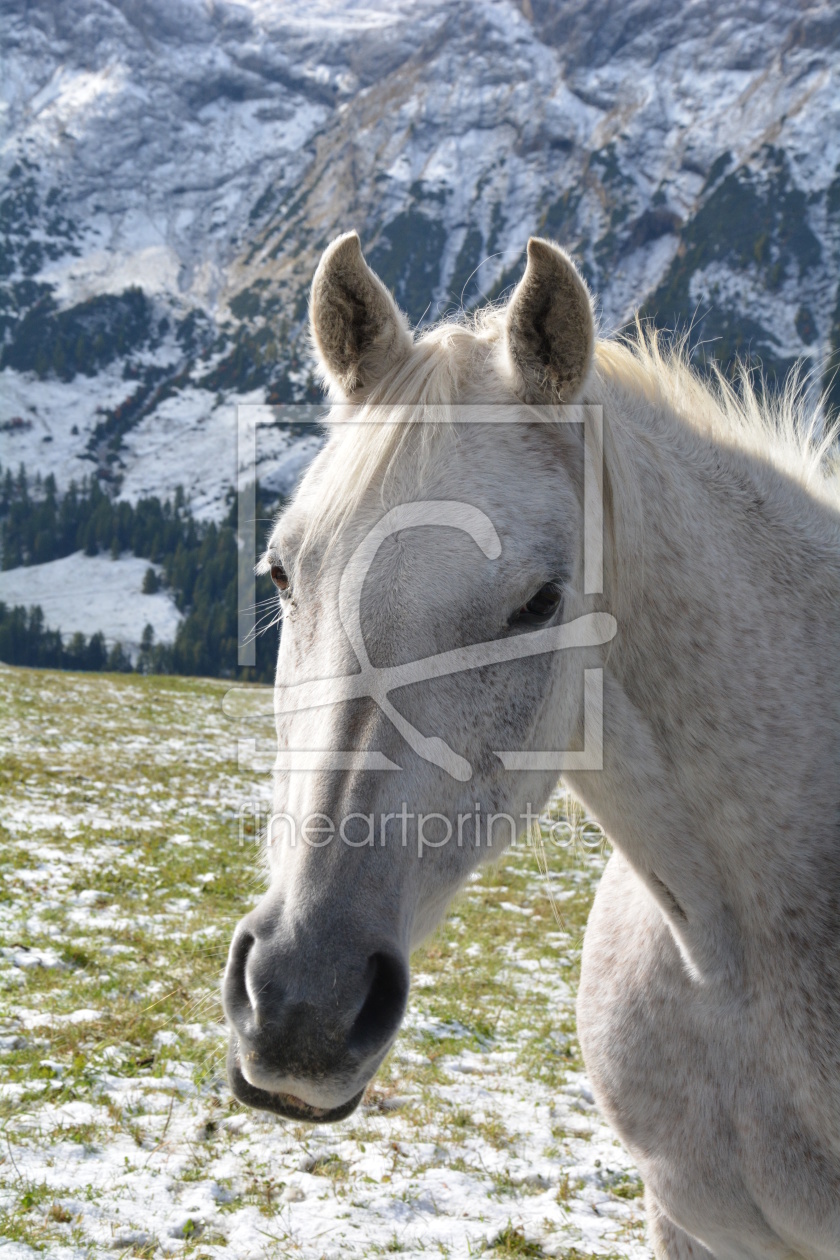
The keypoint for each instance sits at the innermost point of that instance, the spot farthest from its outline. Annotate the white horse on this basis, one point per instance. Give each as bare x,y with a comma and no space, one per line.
709,1005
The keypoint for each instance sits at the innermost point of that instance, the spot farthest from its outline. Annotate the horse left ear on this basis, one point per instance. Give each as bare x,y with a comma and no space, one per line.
550,327
359,332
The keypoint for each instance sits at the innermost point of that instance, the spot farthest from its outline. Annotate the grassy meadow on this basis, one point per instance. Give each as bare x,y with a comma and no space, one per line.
128,854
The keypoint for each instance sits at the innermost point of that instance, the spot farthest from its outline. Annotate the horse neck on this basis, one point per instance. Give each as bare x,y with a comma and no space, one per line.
722,694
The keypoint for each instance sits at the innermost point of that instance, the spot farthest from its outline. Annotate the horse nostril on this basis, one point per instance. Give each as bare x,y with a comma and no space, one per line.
236,998
384,1004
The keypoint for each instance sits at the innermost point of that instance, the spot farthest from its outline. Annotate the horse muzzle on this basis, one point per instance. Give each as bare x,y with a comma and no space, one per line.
309,1027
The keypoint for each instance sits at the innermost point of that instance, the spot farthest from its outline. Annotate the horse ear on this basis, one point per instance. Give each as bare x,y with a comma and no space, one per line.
550,326
358,330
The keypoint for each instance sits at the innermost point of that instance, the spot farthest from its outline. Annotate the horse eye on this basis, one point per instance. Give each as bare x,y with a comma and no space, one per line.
279,577
540,606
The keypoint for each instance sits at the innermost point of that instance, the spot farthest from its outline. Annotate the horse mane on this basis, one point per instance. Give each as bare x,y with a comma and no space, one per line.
786,427
465,359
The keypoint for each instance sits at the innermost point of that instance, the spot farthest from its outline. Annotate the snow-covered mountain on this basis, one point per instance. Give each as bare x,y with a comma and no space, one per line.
172,168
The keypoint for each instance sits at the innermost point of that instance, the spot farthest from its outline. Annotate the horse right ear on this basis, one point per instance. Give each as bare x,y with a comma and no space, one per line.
359,332
550,327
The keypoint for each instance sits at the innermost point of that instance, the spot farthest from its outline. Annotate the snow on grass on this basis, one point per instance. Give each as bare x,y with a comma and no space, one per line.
92,593
126,862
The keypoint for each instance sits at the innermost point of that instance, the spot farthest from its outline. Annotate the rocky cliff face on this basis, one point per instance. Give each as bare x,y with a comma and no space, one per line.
172,169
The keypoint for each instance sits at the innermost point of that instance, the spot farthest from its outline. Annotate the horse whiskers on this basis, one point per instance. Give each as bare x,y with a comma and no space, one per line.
269,601
263,627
